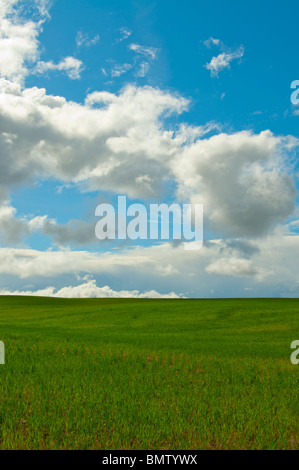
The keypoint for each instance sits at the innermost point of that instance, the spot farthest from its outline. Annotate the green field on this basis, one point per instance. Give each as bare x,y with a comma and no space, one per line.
148,374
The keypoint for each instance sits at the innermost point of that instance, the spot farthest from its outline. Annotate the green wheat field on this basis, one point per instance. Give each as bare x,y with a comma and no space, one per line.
148,374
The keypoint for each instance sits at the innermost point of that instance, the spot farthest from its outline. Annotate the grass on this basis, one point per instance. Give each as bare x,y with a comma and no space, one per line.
148,374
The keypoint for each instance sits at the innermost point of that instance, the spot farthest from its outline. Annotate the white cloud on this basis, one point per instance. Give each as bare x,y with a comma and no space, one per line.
122,138
14,229
43,7
237,267
242,179
142,66
268,268
83,39
18,40
212,42
168,270
89,289
223,61
19,45
120,69
125,34
149,52
70,65
143,69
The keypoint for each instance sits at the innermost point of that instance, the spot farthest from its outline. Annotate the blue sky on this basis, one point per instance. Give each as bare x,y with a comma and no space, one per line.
162,102
260,84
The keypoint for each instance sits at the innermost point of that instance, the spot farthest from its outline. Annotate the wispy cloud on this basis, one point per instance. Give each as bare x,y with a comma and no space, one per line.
125,34
43,7
149,52
223,61
70,65
83,39
142,60
212,42
120,69
143,69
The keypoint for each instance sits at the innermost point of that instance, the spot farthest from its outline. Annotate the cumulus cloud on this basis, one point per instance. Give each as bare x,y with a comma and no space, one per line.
19,44
120,135
70,65
73,232
242,179
90,289
14,229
